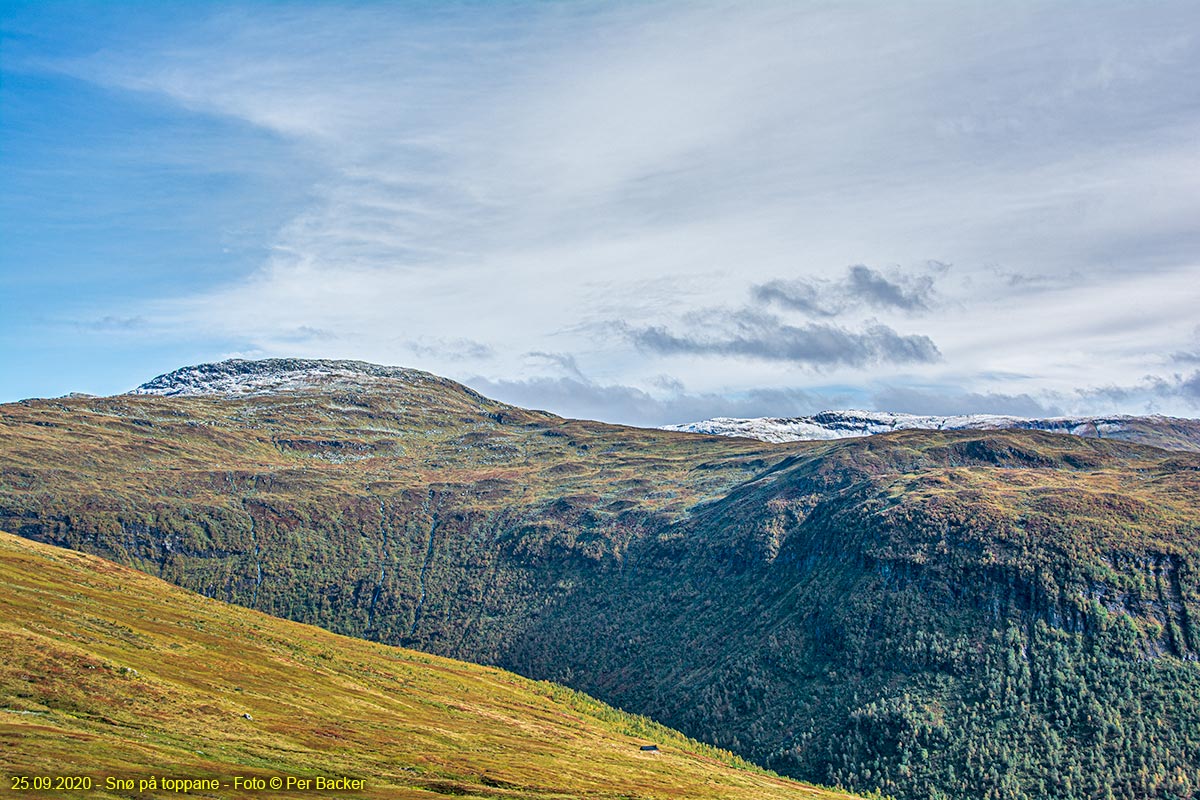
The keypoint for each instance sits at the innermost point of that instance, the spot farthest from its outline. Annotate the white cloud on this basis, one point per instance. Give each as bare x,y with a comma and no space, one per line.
516,177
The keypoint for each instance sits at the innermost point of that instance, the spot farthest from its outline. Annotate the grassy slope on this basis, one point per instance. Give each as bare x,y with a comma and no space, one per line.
106,671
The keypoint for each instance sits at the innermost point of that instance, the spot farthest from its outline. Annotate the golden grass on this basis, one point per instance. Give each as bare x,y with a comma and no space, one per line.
105,671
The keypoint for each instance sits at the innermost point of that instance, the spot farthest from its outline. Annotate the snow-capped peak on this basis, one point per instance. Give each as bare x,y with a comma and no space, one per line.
845,424
273,375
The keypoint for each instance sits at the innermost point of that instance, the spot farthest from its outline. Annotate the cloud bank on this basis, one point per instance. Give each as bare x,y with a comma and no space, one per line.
763,336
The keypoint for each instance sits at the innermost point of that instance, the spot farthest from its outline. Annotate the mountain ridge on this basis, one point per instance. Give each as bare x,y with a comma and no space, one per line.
242,377
957,614
1172,432
237,376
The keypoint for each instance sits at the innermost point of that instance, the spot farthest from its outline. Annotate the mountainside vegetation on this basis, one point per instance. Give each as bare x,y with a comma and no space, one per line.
954,614
106,673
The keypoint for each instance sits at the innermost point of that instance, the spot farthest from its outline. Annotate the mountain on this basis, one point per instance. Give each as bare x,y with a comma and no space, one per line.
1169,432
238,376
951,614
109,673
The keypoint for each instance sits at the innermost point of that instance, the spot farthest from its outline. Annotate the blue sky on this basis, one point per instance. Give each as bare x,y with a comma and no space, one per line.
638,212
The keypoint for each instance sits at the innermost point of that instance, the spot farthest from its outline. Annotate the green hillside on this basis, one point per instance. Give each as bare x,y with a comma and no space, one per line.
108,673
989,614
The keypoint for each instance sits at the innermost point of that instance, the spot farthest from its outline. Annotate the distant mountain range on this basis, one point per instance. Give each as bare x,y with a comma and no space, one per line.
973,613
239,377
1172,432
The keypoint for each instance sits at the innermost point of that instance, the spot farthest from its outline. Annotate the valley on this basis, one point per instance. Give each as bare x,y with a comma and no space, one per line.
117,680
950,614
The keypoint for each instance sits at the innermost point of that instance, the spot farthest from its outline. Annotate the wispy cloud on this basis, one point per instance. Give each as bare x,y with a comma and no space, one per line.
451,349
487,181
112,323
577,396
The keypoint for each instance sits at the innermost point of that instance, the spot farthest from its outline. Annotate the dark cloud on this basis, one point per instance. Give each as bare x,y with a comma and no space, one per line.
1190,388
951,401
669,384
750,334
581,398
862,286
875,290
1123,395
796,296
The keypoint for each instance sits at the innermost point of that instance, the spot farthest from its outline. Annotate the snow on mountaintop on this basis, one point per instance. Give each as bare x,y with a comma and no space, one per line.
269,376
845,424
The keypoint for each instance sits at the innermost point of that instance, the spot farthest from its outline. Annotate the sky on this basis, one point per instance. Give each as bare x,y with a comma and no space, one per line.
638,212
